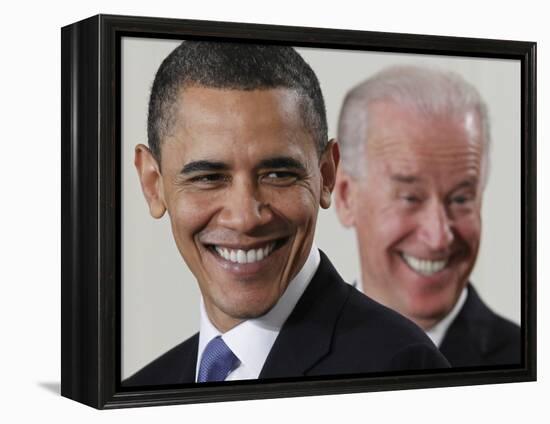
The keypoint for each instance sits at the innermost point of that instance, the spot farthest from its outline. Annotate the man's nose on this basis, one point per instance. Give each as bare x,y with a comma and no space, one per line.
244,208
435,229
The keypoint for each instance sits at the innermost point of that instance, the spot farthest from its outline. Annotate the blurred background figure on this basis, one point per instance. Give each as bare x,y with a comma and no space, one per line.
415,159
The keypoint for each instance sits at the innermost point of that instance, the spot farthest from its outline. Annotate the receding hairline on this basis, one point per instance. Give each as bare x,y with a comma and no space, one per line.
468,119
418,122
431,92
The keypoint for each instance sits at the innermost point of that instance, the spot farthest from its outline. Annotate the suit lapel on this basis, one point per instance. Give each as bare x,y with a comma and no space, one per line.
306,336
468,340
188,361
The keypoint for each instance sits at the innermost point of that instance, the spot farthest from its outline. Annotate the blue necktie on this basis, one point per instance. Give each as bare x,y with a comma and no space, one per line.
217,361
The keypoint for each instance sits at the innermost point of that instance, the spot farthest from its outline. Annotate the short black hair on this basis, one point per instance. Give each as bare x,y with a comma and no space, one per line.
239,66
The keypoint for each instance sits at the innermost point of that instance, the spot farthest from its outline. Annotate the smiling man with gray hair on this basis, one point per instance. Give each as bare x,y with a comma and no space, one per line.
415,158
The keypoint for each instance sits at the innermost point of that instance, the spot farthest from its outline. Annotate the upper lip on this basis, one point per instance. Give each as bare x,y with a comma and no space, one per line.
428,257
244,246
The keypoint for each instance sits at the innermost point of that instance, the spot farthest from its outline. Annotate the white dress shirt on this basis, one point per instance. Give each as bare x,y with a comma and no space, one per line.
252,340
438,331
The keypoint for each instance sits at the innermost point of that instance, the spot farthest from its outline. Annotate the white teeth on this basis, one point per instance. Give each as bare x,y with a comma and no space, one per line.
241,256
259,254
245,257
424,266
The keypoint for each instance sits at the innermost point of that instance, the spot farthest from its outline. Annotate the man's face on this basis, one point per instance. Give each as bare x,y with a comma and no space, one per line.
416,210
242,182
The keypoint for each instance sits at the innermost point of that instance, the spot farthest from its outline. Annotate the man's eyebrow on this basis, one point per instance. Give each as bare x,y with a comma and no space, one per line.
202,166
280,162
471,182
407,179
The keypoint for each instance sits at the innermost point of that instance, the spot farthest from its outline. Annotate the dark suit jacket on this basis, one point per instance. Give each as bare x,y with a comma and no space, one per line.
479,337
334,329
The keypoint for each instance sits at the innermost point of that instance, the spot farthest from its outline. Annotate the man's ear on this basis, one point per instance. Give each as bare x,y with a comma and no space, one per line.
151,180
344,198
328,165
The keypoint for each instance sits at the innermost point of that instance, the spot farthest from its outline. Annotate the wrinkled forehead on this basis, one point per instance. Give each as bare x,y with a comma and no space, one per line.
405,140
201,105
214,122
391,125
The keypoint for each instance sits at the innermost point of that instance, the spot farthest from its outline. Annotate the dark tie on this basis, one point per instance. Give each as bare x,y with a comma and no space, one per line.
217,361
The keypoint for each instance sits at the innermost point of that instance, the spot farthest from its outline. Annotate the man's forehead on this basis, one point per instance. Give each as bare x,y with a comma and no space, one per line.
236,152
206,109
279,98
215,121
392,126
415,147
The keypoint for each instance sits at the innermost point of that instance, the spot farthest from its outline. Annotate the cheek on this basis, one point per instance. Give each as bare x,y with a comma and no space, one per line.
189,215
298,206
383,228
468,230
397,227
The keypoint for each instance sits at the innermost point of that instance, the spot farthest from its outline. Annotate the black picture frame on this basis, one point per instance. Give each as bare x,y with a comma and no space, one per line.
91,218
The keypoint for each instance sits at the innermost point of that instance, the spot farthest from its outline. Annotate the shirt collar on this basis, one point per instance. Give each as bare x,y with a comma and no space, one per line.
438,331
252,340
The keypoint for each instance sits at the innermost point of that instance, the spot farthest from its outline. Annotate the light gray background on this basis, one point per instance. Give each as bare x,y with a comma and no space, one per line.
160,296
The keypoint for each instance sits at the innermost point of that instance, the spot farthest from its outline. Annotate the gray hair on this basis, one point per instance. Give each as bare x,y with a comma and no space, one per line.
428,91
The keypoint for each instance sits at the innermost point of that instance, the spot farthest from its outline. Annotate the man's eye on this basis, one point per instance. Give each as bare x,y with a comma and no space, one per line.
461,199
280,177
279,174
410,199
209,178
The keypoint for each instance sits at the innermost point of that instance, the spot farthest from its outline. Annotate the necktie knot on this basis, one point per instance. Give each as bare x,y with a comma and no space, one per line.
217,361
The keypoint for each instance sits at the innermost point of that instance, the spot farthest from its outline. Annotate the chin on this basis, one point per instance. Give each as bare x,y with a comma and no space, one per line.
434,315
431,309
250,310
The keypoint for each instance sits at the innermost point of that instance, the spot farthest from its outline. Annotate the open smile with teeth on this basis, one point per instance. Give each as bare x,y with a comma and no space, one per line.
424,266
240,256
